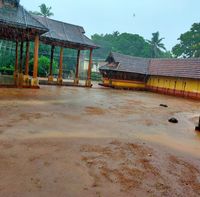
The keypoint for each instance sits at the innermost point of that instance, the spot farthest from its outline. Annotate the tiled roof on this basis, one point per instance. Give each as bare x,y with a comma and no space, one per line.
184,68
126,63
189,68
20,18
64,33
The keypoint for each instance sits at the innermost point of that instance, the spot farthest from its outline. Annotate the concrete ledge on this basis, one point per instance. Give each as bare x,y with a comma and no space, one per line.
23,87
54,83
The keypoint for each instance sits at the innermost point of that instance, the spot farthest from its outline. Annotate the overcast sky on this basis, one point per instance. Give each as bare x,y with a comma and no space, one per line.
169,17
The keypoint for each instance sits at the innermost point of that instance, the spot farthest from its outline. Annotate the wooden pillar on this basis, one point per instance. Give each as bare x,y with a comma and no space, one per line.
27,58
88,81
21,57
21,64
50,78
34,81
16,57
16,63
60,79
76,80
26,76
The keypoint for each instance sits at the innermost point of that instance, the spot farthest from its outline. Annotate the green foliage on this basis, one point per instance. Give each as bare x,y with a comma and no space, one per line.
96,76
125,43
44,11
7,70
156,45
189,45
43,68
7,54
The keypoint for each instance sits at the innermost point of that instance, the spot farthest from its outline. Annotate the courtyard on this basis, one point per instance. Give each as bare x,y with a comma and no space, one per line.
69,141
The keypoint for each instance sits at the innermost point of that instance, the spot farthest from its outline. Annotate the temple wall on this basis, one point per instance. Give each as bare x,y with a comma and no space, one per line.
183,87
123,84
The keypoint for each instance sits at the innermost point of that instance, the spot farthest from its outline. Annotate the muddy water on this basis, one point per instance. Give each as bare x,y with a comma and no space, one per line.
99,113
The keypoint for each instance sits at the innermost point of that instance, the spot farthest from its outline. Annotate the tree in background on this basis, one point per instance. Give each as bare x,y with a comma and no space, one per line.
156,45
189,45
129,44
43,69
125,43
44,11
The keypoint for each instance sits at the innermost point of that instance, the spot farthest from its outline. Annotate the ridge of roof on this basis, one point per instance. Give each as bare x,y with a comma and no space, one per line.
58,21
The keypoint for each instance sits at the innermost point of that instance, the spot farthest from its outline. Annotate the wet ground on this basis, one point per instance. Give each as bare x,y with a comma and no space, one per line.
62,141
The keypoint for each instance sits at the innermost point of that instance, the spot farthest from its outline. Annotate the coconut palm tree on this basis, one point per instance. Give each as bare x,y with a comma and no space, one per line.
156,45
44,11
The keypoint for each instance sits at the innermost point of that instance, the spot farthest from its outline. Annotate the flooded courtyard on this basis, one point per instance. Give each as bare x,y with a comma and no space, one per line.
64,141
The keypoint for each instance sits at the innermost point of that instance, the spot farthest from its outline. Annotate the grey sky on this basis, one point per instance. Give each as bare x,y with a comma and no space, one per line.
169,17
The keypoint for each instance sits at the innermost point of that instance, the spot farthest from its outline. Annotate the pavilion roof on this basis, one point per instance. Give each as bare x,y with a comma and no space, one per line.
18,17
65,34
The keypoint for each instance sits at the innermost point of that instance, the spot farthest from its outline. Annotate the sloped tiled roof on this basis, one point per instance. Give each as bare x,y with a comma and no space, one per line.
65,33
183,68
20,18
126,63
189,68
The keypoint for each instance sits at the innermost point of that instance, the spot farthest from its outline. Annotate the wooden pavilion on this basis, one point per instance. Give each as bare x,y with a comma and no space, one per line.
18,25
66,35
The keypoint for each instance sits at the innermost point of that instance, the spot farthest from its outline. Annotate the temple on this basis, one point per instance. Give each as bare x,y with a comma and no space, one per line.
179,77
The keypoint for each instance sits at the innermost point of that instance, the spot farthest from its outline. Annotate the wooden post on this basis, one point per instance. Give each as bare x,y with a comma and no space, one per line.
26,76
21,57
88,81
21,76
27,58
76,80
60,79
34,81
16,57
16,63
50,78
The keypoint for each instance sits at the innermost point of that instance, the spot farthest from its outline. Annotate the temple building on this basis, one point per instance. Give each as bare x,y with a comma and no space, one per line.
179,77
19,26
123,71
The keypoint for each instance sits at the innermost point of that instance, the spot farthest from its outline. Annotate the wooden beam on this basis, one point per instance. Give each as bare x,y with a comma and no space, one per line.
36,50
27,57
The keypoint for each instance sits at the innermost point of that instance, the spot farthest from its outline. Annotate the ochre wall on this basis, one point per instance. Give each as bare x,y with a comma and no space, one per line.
175,86
124,84
166,85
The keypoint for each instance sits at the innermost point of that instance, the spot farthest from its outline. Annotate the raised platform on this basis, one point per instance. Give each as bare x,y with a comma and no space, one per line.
64,83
